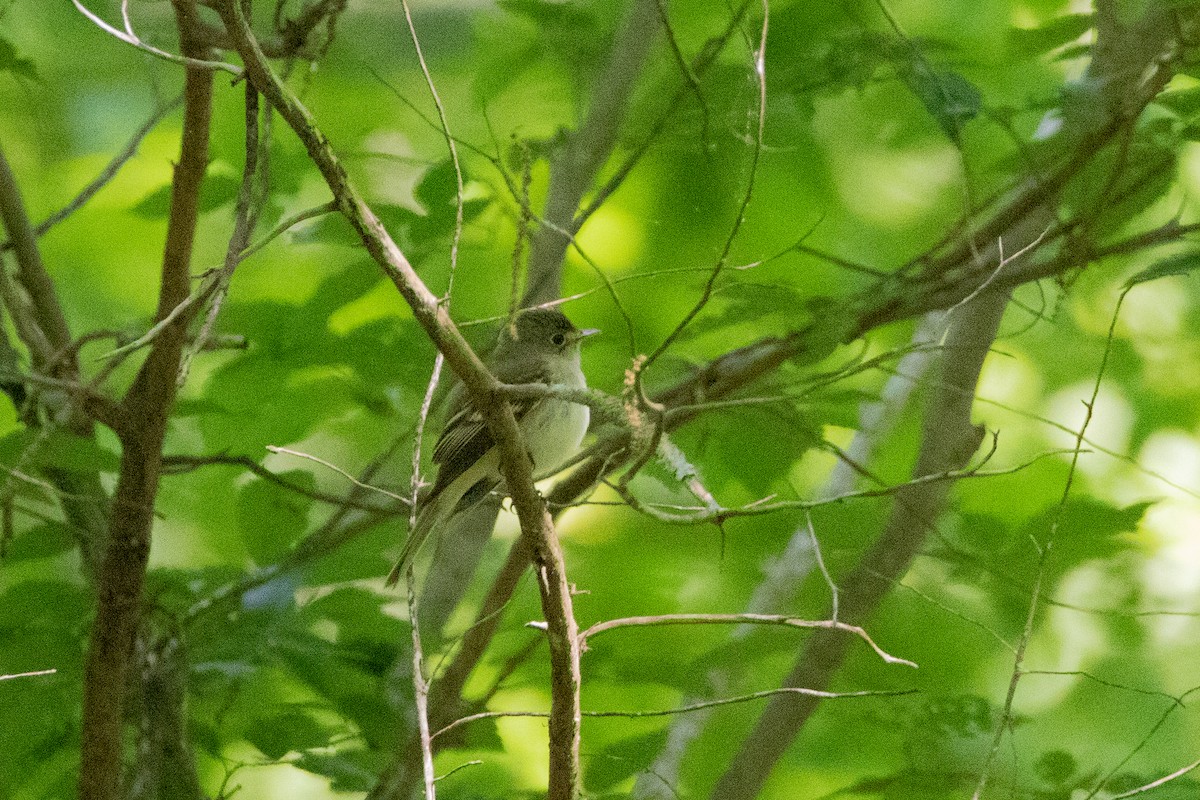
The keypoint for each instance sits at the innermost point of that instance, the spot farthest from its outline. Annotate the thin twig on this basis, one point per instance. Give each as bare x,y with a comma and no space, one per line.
816,546
1006,719
1176,705
245,217
34,674
450,146
760,76
420,689
743,619
107,174
1179,773
316,459
129,37
667,712
210,282
177,464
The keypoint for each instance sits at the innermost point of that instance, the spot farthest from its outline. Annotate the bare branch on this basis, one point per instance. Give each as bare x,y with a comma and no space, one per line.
360,484
948,440
34,674
46,316
1006,717
129,37
699,706
575,167
739,619
1179,773
444,127
482,387
178,464
147,406
420,690
245,217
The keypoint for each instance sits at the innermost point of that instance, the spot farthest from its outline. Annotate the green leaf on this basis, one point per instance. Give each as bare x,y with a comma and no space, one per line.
264,397
11,62
1184,102
335,292
552,13
215,191
57,449
1082,530
754,444
949,97
921,786
750,304
1029,42
272,518
286,732
1056,767
430,229
622,760
358,615
43,604
41,541
352,771
437,190
1178,264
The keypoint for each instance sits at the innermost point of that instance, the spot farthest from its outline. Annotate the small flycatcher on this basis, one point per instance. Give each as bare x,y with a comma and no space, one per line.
539,346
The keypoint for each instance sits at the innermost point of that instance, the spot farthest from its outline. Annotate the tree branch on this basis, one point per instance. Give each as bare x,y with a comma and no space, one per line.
146,406
166,766
785,574
31,273
948,441
483,389
41,324
574,169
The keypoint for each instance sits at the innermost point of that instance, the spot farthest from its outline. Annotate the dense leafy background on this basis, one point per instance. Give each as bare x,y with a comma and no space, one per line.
873,144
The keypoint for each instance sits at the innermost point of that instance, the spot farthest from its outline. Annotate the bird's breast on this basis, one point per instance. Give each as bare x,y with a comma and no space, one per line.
553,431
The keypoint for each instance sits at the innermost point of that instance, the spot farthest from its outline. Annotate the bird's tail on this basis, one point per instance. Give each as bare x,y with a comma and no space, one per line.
432,513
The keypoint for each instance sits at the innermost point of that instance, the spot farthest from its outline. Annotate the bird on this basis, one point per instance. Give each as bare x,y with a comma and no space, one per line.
540,345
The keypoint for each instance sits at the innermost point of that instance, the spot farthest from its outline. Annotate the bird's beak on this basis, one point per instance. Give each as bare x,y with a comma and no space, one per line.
585,333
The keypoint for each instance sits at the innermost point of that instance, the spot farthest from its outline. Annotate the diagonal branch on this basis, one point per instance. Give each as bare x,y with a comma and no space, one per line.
575,167
41,324
483,389
106,174
948,437
948,441
31,273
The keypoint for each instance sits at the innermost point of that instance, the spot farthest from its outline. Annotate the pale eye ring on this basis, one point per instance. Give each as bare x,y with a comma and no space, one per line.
559,339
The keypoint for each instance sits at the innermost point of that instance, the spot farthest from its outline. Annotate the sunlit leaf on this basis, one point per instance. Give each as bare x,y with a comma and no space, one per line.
1059,31
1179,264
350,771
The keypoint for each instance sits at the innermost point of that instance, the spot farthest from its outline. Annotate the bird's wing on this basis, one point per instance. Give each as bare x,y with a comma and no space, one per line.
466,437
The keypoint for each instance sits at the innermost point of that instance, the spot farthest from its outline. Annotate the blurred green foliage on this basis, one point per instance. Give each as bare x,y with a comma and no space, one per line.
875,137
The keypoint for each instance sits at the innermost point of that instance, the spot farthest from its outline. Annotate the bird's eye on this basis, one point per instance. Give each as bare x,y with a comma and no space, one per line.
559,339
